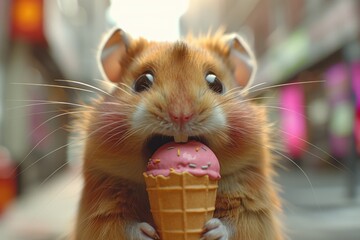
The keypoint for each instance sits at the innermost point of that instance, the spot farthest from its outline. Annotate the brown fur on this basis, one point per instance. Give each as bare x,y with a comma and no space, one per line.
114,195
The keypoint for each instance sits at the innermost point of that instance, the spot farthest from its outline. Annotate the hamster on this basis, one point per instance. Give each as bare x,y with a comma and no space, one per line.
164,91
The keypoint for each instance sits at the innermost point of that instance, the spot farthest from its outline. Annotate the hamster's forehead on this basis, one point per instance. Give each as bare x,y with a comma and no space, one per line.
180,60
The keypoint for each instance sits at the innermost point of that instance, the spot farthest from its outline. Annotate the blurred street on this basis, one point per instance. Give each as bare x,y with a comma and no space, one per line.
322,211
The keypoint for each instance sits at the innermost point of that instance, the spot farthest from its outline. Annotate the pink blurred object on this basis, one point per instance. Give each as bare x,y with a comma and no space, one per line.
293,121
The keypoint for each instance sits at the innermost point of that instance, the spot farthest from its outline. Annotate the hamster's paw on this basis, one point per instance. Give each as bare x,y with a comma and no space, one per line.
214,229
144,231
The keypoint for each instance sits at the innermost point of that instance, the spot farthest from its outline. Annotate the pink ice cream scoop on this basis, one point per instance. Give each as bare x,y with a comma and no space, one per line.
192,157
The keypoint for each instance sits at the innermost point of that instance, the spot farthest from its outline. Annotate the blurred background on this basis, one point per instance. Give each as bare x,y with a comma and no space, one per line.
309,58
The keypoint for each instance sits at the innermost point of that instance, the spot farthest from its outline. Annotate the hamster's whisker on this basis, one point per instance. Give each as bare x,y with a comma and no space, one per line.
318,148
294,163
46,155
145,127
255,98
323,160
232,95
102,127
101,81
103,124
221,135
118,104
252,87
230,99
116,86
53,173
46,102
37,144
242,131
113,103
75,142
234,90
285,109
104,114
125,85
54,117
286,84
303,172
100,123
112,130
44,112
84,84
345,168
55,86
126,136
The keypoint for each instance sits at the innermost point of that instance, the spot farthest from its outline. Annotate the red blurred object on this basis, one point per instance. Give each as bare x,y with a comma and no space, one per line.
27,17
355,75
8,184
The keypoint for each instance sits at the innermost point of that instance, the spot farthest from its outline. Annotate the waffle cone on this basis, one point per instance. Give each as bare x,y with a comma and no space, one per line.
181,204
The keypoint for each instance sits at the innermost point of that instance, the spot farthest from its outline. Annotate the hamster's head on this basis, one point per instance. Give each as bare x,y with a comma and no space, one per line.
193,89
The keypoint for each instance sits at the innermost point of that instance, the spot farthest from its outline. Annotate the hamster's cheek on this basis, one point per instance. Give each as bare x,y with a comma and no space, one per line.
138,116
217,119
216,128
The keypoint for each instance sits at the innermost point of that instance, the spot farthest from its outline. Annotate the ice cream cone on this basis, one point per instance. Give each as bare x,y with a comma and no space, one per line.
181,204
182,181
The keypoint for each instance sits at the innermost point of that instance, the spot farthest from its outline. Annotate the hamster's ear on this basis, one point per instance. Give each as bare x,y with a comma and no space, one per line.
243,59
112,51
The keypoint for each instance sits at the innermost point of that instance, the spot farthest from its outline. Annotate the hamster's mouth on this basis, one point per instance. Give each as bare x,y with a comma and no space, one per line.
156,141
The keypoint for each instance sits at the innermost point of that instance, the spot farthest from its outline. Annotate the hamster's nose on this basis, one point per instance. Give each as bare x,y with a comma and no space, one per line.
180,118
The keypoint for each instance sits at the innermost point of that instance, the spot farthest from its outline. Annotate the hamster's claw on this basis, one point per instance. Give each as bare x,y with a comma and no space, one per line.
145,232
214,229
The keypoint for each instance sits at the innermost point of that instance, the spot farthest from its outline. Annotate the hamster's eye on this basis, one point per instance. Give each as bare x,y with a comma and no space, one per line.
144,82
214,83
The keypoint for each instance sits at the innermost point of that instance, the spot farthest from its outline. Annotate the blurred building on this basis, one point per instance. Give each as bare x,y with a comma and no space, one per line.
42,42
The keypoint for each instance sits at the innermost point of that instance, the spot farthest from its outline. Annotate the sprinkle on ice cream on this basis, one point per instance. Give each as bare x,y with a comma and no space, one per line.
192,157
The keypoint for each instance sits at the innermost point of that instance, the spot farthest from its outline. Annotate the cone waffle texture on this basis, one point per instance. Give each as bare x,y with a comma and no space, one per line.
181,204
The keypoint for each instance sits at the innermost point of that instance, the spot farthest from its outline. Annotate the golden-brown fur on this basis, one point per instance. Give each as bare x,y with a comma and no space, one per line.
114,196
